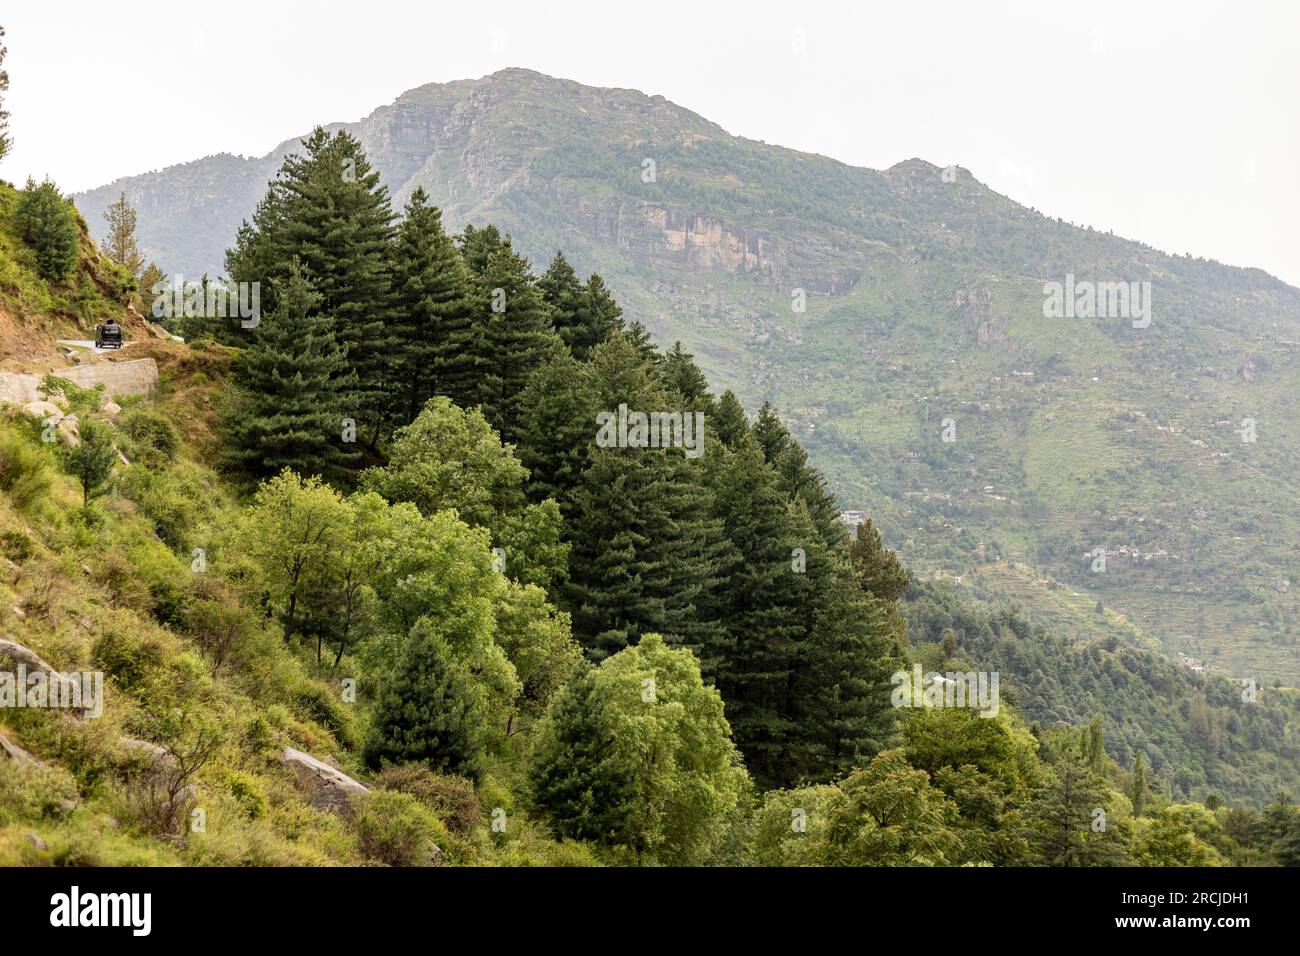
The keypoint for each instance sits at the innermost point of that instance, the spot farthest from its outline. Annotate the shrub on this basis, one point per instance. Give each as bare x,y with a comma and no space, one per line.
16,545
24,471
248,791
154,439
28,792
313,701
219,626
395,829
172,514
128,659
165,576
45,223
453,799
81,399
162,796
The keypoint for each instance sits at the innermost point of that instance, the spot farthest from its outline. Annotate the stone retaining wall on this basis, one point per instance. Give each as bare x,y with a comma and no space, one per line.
136,377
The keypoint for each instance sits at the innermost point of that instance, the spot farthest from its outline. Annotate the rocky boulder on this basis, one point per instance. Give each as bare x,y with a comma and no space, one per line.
326,788
15,653
12,751
43,410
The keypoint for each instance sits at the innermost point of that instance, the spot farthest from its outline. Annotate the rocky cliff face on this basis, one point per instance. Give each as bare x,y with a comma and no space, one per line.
484,149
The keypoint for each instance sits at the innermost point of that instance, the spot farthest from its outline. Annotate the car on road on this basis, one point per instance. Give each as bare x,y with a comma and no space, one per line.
108,335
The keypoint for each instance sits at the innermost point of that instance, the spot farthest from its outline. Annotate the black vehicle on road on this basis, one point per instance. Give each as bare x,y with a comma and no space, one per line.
108,335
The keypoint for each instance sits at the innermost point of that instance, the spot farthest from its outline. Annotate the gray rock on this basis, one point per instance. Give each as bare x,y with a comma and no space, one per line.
12,751
18,654
68,432
153,752
326,788
43,410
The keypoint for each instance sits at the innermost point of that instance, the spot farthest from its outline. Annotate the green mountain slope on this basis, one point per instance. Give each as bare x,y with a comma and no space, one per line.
924,302
226,738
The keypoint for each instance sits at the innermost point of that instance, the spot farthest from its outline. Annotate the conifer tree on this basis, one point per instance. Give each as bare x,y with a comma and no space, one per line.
1138,796
558,420
427,712
477,244
583,315
879,570
45,223
880,574
516,338
579,776
565,295
1063,813
799,480
326,208
120,244
1094,743
434,328
841,693
604,317
771,434
755,666
682,375
289,406
607,593
730,423
91,460
645,548
643,342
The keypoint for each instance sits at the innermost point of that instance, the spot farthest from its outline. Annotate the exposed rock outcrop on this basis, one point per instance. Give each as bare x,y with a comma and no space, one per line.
326,788
16,653
12,751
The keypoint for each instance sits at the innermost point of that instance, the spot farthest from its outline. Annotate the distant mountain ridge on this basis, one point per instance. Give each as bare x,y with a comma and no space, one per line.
871,307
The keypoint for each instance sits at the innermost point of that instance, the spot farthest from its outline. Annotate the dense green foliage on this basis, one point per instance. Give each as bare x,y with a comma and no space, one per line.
535,645
427,712
45,222
292,390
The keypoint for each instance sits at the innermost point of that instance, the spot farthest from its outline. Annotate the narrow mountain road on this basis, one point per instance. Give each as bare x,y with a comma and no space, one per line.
90,344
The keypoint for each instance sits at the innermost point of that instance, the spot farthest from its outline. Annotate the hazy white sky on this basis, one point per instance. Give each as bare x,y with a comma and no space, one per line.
1172,122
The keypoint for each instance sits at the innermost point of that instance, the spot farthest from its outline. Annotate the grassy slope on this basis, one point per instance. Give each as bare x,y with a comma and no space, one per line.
115,591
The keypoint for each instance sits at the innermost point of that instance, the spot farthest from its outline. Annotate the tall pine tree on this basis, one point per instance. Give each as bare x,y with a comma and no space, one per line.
326,208
288,407
516,338
646,551
433,331
760,602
